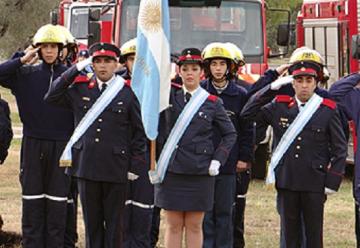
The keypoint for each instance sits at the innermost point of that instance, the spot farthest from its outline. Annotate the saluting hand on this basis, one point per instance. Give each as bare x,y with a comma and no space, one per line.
282,69
30,55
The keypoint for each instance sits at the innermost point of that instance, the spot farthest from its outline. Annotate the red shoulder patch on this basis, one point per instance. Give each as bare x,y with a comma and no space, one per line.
283,98
128,82
178,86
212,98
329,103
81,79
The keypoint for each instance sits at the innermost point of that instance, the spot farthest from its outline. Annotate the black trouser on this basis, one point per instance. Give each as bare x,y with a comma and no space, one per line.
71,236
139,211
103,209
294,205
242,185
45,189
357,225
155,225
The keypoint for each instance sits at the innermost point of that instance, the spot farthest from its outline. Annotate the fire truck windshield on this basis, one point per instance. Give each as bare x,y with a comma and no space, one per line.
79,20
235,21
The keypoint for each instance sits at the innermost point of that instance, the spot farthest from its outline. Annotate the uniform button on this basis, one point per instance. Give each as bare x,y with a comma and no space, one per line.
205,151
176,147
296,155
98,130
298,147
321,166
299,138
123,152
119,110
97,140
100,120
85,107
318,130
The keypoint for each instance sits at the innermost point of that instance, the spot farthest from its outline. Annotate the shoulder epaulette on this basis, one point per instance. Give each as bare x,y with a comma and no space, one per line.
81,79
212,98
128,82
175,85
329,103
283,98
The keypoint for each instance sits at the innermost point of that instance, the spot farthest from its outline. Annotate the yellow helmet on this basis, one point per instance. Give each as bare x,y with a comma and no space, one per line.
303,54
238,56
306,61
128,47
49,34
69,38
217,50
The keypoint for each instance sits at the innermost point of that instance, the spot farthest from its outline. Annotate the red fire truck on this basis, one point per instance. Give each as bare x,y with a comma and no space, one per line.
331,27
75,15
196,23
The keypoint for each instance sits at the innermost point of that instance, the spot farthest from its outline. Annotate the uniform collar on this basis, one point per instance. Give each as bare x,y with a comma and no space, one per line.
230,89
187,91
100,83
300,104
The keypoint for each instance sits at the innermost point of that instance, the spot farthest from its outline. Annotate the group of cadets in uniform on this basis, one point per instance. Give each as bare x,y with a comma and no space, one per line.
82,134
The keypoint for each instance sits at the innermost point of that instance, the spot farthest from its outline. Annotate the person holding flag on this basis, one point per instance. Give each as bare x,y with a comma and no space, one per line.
108,140
310,147
140,192
188,160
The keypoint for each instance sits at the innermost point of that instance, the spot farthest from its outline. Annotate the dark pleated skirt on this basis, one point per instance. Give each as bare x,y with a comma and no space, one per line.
179,192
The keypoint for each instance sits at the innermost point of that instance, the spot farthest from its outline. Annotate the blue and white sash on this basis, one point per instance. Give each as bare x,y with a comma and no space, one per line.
100,104
294,129
183,121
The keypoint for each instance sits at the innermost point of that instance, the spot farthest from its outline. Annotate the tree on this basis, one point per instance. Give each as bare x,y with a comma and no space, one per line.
273,19
19,21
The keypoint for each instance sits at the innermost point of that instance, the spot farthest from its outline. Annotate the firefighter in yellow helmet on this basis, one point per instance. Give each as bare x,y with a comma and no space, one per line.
140,198
307,129
49,41
219,68
128,51
46,130
70,49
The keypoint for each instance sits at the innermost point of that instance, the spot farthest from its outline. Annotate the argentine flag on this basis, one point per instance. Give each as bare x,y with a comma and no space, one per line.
152,68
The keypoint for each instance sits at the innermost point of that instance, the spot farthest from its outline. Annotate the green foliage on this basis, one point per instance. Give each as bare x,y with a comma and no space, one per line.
274,18
19,20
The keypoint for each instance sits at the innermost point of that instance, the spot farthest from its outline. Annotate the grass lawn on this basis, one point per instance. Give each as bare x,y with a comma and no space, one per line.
261,225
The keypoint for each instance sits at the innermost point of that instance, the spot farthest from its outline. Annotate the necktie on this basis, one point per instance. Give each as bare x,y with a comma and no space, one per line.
187,97
103,88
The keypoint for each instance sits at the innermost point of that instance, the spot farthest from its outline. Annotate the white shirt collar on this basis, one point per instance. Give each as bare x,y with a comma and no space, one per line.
299,103
100,83
188,91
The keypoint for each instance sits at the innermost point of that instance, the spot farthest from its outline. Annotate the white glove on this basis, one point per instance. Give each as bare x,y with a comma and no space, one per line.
132,177
82,64
214,168
329,191
277,84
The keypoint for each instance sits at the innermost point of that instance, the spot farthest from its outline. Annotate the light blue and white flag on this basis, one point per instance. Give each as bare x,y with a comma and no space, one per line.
152,68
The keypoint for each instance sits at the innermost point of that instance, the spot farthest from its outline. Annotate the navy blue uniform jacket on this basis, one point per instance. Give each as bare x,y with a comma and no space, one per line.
6,132
29,84
234,98
305,166
195,149
347,93
115,139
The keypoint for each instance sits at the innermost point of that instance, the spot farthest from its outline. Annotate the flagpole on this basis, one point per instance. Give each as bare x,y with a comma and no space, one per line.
152,154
